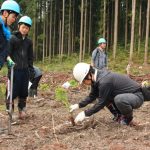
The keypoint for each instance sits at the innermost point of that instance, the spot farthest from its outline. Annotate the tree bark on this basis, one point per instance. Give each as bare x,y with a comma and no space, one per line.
147,34
132,30
115,29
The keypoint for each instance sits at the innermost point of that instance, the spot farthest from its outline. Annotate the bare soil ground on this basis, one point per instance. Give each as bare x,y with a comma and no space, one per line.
48,126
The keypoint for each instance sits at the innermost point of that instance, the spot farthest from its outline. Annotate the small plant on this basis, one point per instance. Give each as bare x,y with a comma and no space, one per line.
44,87
73,83
2,90
61,95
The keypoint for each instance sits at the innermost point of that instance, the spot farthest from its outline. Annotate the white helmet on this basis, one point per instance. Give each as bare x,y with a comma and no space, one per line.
80,71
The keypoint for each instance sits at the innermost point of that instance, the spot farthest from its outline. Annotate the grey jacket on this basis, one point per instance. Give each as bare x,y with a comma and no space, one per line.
99,58
106,87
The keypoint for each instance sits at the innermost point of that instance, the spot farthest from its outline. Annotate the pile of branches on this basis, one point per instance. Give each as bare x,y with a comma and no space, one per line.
140,78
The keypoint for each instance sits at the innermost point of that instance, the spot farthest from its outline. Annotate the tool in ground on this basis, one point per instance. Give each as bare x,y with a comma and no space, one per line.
11,101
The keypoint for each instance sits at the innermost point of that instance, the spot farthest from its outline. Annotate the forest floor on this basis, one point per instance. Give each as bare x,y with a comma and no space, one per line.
48,126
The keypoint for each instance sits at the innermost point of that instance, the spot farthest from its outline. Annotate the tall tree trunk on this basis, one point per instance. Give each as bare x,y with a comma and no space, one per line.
54,31
112,22
62,39
108,25
34,29
69,29
132,30
126,26
50,32
72,28
85,25
140,19
147,33
115,29
104,19
90,29
81,31
44,36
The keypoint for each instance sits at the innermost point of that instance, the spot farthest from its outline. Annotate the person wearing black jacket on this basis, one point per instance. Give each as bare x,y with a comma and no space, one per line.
21,52
108,87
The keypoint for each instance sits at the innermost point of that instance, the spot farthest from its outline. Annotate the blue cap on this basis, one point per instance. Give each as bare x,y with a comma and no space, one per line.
11,5
101,40
25,19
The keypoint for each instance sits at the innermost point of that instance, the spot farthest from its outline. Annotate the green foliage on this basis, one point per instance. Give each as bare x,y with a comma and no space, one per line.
44,87
2,90
62,96
2,107
73,83
56,65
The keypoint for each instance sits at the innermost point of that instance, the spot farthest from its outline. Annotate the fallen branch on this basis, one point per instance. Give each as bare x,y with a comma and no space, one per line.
54,131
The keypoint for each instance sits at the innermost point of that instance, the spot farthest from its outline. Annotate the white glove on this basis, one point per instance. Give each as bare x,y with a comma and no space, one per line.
74,107
80,117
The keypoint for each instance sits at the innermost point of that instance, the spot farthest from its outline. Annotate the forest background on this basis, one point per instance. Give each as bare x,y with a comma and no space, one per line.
66,31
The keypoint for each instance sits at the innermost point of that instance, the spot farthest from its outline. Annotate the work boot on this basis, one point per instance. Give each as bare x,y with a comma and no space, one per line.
22,115
127,121
117,117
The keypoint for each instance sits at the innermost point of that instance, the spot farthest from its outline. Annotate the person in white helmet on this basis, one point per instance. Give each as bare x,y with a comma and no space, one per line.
99,55
9,12
107,87
21,52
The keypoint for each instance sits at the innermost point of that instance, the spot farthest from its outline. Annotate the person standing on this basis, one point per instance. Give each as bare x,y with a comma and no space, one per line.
9,12
21,52
99,55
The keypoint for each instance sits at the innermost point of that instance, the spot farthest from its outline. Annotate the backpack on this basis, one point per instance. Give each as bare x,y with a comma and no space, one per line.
146,93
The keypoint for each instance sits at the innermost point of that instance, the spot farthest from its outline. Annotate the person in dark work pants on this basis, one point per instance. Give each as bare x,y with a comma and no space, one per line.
21,52
108,87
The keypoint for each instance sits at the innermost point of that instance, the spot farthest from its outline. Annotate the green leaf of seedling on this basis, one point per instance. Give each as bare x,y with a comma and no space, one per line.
62,96
73,83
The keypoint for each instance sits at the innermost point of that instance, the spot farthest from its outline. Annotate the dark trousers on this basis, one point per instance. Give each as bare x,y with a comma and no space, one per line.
35,82
20,88
127,102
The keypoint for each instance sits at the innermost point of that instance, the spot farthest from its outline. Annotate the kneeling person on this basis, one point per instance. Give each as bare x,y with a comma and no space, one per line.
109,88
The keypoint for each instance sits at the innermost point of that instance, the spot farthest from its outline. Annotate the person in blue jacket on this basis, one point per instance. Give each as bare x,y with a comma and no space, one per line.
21,52
9,12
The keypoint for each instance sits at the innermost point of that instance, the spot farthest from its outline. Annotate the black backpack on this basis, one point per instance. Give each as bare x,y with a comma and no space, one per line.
146,93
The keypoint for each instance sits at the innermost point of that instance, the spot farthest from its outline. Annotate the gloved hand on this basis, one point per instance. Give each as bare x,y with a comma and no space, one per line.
80,117
10,63
74,107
